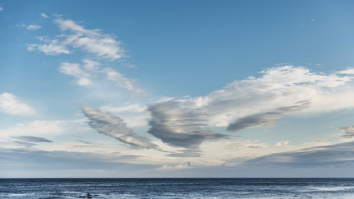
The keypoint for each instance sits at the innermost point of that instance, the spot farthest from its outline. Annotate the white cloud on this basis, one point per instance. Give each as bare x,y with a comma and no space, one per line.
35,128
91,41
134,108
44,15
187,165
73,69
349,71
33,27
11,105
91,65
276,88
1,9
91,68
282,143
52,47
121,81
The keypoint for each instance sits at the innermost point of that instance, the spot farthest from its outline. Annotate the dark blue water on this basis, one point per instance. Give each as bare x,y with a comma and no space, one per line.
177,188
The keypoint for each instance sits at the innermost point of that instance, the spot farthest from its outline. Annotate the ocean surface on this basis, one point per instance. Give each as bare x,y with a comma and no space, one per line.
178,188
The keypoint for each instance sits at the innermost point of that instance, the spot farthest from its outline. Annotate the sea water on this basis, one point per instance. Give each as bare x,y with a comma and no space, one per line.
178,188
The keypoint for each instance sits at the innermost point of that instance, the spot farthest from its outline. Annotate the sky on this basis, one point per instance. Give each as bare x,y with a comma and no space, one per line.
176,88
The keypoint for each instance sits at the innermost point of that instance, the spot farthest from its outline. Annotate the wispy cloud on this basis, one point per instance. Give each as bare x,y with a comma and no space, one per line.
31,139
179,126
77,37
73,69
30,27
44,15
1,9
331,155
51,47
187,165
84,73
121,81
114,126
35,128
265,119
12,105
282,143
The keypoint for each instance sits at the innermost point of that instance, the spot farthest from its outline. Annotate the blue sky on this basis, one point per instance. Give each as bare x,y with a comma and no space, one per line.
176,88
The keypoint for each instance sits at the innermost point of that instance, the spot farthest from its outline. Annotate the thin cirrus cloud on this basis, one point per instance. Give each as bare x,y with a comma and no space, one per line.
10,104
114,126
31,27
83,74
74,36
179,126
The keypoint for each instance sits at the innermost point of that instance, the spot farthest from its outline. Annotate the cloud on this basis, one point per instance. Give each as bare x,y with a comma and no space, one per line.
186,153
49,164
179,126
92,68
35,128
25,144
274,94
44,15
1,9
114,126
91,65
51,47
31,139
121,81
187,165
265,119
33,27
77,37
282,143
133,108
331,155
73,69
348,132
11,105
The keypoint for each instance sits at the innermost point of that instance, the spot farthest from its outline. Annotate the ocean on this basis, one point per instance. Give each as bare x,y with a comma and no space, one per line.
178,188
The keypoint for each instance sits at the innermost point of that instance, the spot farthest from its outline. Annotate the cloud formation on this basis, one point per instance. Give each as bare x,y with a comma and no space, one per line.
50,47
114,126
331,155
277,92
12,105
75,36
35,128
348,132
84,73
121,81
265,119
73,69
44,15
31,139
179,126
